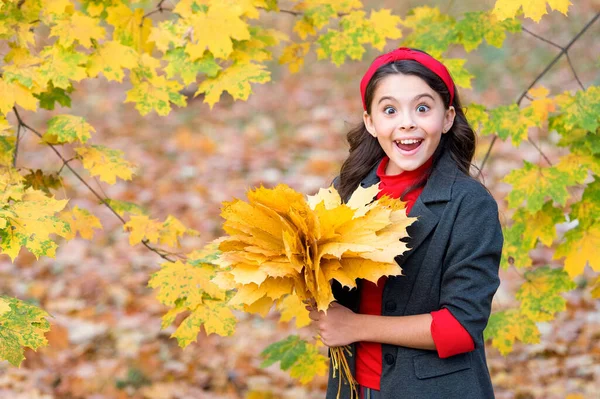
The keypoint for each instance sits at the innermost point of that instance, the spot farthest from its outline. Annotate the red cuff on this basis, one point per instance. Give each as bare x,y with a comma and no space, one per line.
449,336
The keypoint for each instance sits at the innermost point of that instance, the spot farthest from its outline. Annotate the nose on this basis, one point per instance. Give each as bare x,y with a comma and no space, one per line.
407,123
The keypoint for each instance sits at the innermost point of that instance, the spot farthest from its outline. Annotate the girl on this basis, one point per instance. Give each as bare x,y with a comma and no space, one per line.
420,334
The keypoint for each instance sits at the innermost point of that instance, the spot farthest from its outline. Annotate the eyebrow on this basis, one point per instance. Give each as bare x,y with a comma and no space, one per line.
418,96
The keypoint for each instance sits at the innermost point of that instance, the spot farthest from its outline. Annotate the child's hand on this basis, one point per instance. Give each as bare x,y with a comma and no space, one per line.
337,327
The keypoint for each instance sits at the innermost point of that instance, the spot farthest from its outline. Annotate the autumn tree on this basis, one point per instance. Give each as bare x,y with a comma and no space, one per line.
159,50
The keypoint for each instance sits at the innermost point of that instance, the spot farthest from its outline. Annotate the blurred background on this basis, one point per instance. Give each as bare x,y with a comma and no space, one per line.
106,340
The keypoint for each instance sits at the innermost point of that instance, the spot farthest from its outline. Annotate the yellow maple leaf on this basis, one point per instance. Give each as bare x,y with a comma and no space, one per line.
106,163
110,59
385,25
67,129
131,28
215,316
172,229
61,66
293,55
184,284
581,251
142,227
541,104
156,93
292,307
32,220
11,185
533,9
12,93
304,28
168,32
82,221
95,9
235,80
78,27
56,8
215,29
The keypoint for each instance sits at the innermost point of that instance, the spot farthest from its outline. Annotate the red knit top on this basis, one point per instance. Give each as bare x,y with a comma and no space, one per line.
448,334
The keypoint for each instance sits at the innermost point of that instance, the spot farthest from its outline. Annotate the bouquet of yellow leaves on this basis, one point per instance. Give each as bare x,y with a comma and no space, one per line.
281,244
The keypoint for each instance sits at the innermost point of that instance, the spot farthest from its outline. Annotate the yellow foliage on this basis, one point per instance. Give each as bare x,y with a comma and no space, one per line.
142,228
533,9
106,163
280,243
77,27
291,307
235,80
541,104
14,93
215,29
582,250
82,221
110,59
293,55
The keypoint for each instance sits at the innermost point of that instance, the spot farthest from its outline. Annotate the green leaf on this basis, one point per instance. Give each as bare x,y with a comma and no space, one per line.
525,232
54,95
475,26
534,184
477,116
61,66
181,65
156,94
582,109
507,326
540,295
303,360
21,325
510,121
67,129
214,315
432,31
460,75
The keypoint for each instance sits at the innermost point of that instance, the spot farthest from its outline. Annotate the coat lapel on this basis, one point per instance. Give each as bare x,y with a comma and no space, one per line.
437,189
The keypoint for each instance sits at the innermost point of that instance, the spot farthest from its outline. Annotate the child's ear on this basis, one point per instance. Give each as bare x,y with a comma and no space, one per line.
449,119
369,123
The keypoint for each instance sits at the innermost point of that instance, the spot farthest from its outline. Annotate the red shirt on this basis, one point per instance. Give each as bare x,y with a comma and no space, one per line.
448,334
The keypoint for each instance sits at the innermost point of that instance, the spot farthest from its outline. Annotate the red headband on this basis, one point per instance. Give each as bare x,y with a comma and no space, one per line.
404,53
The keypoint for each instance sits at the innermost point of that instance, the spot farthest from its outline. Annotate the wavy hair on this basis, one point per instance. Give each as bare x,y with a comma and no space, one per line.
365,151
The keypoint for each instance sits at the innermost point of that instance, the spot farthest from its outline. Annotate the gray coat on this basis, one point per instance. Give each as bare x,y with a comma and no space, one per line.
453,261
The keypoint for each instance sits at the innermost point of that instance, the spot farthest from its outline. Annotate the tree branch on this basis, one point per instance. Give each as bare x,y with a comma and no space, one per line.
542,39
299,13
575,73
548,67
161,253
17,146
539,150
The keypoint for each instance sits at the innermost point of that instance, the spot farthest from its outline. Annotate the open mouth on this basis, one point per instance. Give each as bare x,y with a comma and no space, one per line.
408,145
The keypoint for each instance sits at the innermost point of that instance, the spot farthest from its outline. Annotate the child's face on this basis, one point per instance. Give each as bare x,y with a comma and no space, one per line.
405,107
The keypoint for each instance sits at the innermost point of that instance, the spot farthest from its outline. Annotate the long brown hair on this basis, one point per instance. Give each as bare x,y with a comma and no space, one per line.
365,151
